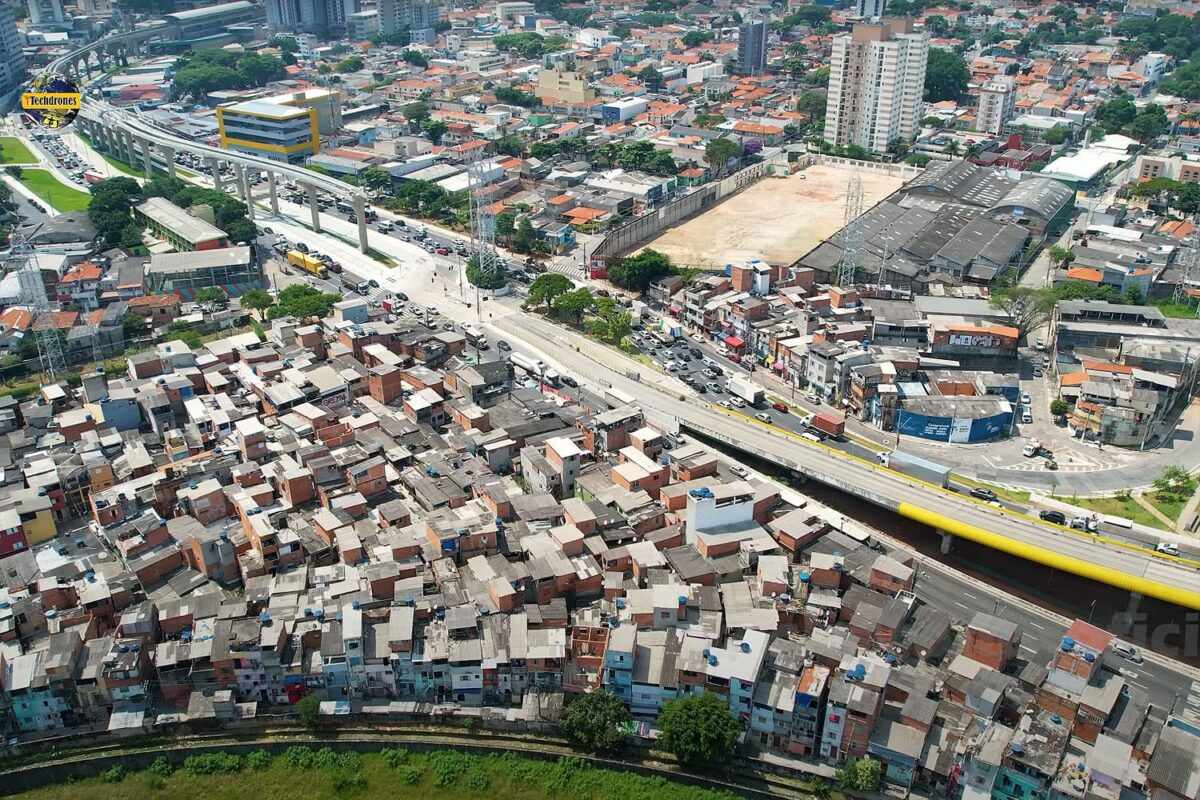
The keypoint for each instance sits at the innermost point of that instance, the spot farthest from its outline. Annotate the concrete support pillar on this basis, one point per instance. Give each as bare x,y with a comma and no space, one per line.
147,158
312,206
274,193
360,213
130,151
169,157
215,166
947,540
247,192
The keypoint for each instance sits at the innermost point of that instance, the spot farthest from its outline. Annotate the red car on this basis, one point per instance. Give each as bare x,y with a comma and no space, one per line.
442,251
780,407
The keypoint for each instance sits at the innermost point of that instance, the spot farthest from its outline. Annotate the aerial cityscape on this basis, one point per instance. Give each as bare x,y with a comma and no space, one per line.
671,398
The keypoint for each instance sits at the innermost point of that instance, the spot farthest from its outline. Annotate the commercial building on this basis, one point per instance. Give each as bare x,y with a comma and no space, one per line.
752,47
996,101
876,84
197,23
232,269
560,86
272,130
184,231
325,17
12,56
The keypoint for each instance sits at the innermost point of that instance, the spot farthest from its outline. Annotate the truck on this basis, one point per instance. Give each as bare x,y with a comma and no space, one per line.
752,393
616,398
310,264
533,366
830,423
916,467
91,177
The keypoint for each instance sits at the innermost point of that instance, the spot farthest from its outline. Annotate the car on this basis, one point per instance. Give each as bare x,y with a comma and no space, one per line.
739,470
1040,344
699,387
1128,652
713,387
442,251
780,407
696,352
1084,523
1037,372
569,381
737,402
1057,517
268,231
373,283
1026,399
1026,417
402,297
1167,548
983,494
503,345
764,417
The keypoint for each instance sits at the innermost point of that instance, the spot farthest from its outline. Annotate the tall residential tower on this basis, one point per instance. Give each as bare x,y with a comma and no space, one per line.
876,84
752,47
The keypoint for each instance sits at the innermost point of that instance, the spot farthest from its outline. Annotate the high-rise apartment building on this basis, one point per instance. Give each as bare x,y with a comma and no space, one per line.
870,9
996,100
752,47
311,16
12,57
418,16
46,12
876,84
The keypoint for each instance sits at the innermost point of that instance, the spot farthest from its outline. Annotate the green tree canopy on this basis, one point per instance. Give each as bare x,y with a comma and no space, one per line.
375,178
639,271
596,721
651,77
350,64
946,76
525,44
302,301
257,300
515,97
415,57
435,129
416,112
571,306
525,239
489,276
699,729
1026,307
860,775
545,288
718,153
211,294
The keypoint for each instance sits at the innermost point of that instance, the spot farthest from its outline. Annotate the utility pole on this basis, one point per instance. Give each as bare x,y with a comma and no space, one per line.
852,233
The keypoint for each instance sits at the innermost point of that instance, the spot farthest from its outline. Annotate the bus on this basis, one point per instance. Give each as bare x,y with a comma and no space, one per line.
310,264
473,334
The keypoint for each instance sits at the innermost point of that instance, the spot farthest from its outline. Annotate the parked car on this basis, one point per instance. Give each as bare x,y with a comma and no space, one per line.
739,470
983,494
503,345
764,418
1128,652
1167,548
1057,517
780,407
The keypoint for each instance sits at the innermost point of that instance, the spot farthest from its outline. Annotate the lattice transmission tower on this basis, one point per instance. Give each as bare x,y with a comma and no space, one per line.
852,233
33,294
1189,267
483,222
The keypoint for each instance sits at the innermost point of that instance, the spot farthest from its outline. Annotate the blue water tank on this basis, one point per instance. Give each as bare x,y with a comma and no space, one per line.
1068,644
805,577
745,647
683,599
620,602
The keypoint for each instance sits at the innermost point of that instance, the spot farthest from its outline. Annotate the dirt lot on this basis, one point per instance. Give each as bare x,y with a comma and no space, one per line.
776,220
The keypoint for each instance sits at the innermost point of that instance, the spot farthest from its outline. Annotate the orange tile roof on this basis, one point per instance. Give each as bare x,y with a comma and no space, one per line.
1073,379
1084,274
84,271
14,318
58,320
584,214
153,301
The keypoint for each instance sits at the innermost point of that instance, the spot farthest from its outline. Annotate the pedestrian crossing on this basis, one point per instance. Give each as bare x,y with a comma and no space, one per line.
1191,703
564,266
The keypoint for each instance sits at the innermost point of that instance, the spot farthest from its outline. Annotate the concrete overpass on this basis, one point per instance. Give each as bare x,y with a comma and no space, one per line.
1137,569
125,134
114,49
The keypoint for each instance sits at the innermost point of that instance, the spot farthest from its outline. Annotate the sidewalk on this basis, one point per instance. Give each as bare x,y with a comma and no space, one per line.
1151,510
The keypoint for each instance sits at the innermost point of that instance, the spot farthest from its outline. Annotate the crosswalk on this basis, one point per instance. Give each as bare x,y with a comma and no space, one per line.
1192,701
564,266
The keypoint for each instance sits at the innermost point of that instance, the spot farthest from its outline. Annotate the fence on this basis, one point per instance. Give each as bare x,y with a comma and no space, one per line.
633,233
905,171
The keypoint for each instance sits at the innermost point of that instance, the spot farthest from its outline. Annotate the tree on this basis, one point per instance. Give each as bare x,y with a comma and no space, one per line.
376,178
109,210
526,237
1059,255
1058,407
812,105
571,306
510,145
1133,296
416,112
434,129
946,76
718,153
308,709
696,38
515,97
545,288
415,57
639,271
212,294
1026,307
1116,113
596,721
397,38
302,301
489,276
506,224
257,300
651,77
1149,123
259,70
937,25
860,775
1175,481
350,64
698,729
1056,135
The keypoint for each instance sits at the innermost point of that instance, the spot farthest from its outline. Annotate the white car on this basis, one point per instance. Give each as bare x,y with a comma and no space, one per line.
764,418
1167,548
1026,399
737,402
739,470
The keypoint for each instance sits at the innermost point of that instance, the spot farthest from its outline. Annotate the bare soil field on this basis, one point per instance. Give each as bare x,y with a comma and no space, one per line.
776,220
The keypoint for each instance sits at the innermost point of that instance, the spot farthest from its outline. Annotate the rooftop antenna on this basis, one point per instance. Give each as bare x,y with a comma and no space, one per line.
33,294
852,234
